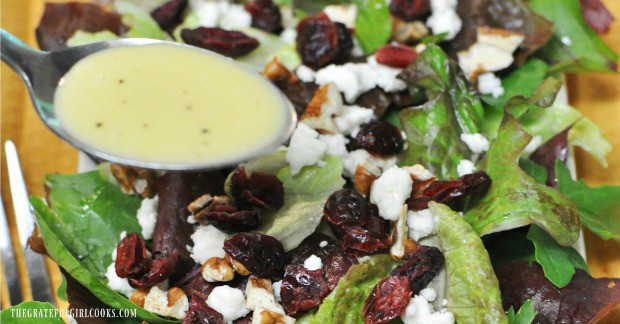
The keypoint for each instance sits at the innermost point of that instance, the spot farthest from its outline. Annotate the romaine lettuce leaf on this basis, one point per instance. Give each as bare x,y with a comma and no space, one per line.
82,37
373,25
304,196
83,226
547,122
141,22
599,207
37,312
473,290
574,46
515,199
345,303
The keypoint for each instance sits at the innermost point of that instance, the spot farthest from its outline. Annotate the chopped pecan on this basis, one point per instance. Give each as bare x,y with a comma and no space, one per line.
228,43
134,180
363,180
277,73
138,297
407,32
218,270
320,112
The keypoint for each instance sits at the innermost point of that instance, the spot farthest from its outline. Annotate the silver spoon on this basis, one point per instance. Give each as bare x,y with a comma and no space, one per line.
41,72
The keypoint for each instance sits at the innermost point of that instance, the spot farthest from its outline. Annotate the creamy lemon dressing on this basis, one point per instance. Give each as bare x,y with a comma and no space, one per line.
168,104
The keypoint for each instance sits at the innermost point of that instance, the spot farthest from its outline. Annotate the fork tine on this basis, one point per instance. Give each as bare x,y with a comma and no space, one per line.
37,271
8,260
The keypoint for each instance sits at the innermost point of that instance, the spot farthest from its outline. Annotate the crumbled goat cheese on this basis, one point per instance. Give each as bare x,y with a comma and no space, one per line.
488,83
222,14
390,191
208,242
444,18
421,224
289,20
419,311
566,40
229,302
336,144
323,244
429,294
534,144
305,148
117,283
191,219
419,172
465,167
373,164
352,118
444,302
491,52
345,14
305,73
277,286
313,262
353,79
476,142
357,50
147,216
289,36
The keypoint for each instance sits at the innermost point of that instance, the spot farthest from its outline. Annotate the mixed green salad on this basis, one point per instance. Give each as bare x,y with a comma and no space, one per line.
428,179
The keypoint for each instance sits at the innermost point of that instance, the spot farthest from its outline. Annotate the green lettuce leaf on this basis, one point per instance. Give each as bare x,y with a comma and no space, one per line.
433,129
140,21
31,312
270,46
534,169
574,46
473,290
433,138
314,6
373,25
82,228
82,37
345,303
547,122
304,197
558,262
599,207
525,315
515,199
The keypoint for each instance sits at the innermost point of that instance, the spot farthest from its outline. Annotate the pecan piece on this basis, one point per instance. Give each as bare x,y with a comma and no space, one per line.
134,180
227,43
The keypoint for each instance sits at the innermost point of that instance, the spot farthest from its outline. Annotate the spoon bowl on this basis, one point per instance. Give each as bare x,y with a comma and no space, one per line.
42,71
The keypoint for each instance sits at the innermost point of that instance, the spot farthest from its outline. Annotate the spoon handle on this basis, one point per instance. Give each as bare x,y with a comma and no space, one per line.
17,54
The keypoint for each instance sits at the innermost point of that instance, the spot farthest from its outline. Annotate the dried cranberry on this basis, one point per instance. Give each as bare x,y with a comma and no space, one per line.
376,223
388,300
265,15
159,270
360,241
409,10
261,254
345,43
335,266
451,191
396,56
131,258
200,313
230,221
380,138
421,267
302,289
347,207
169,14
228,43
321,42
258,190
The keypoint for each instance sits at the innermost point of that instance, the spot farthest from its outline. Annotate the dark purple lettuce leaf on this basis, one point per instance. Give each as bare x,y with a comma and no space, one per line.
513,15
583,300
172,231
556,148
61,20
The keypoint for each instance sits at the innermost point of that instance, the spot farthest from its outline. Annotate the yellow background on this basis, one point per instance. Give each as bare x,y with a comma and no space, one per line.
596,95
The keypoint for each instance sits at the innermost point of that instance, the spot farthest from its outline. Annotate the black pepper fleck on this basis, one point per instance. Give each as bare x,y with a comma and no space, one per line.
188,107
145,125
99,124
121,81
204,130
